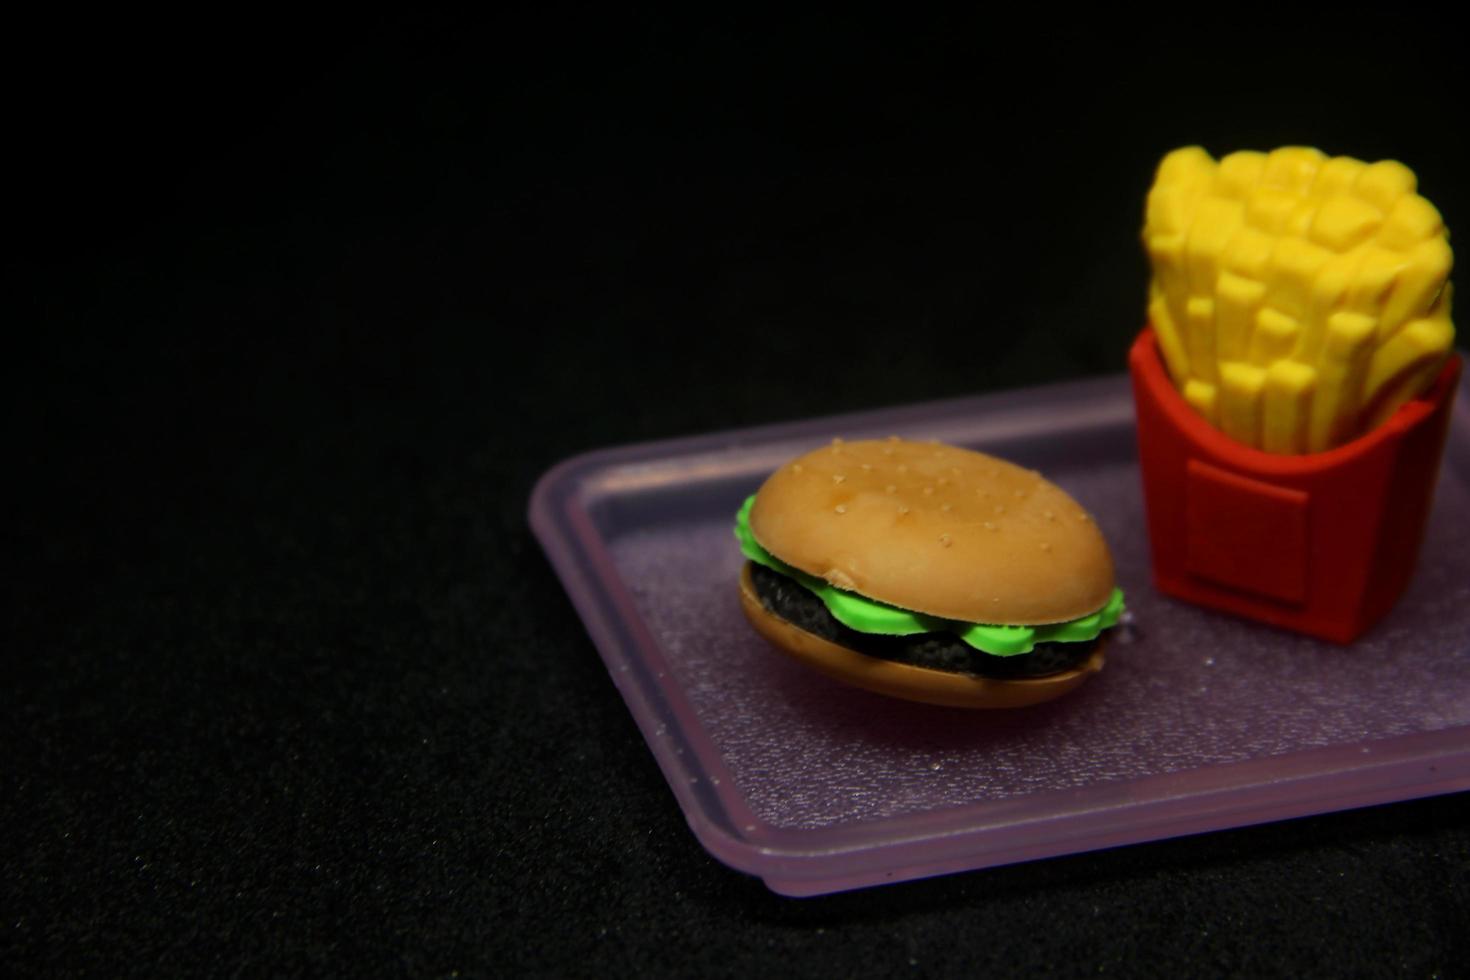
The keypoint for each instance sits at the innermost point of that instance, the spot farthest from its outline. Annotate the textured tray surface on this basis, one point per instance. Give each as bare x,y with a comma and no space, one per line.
817,786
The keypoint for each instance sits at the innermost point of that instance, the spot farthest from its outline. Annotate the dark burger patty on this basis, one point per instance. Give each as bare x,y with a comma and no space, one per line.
788,599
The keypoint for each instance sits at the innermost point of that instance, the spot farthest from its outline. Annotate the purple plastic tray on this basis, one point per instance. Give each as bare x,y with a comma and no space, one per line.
1199,722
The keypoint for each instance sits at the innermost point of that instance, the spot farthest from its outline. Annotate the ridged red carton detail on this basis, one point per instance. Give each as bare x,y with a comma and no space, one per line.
1323,543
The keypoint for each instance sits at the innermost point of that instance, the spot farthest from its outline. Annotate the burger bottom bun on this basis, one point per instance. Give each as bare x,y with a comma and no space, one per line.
904,680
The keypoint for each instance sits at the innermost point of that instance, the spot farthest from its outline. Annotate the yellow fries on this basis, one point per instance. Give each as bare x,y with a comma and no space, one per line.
1298,299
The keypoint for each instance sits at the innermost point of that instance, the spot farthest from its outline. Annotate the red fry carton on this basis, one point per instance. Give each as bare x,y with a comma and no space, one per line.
1322,543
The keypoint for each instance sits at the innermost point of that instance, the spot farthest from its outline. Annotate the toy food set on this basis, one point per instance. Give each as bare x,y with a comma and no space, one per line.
1294,385
928,572
1200,722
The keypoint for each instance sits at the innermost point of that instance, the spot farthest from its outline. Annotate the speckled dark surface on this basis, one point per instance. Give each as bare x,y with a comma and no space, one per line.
300,312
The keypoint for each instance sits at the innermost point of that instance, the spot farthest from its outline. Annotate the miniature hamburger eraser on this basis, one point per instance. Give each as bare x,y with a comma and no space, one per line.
928,572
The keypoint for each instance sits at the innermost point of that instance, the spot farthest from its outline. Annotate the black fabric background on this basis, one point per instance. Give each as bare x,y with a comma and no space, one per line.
298,314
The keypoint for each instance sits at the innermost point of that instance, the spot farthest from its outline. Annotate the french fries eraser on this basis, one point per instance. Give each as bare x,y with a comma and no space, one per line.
1294,385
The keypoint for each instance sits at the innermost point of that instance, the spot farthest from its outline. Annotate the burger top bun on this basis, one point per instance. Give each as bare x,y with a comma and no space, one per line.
938,530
